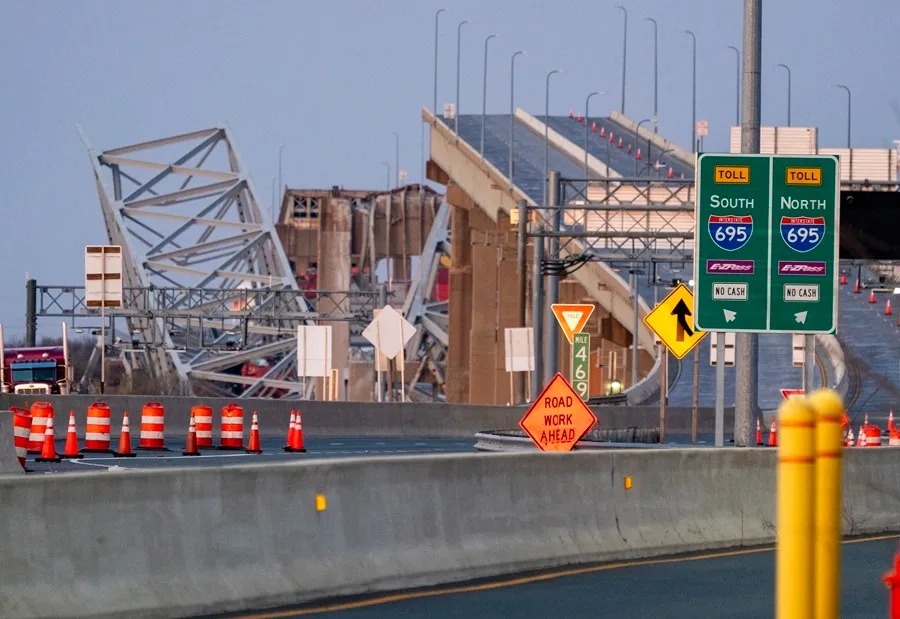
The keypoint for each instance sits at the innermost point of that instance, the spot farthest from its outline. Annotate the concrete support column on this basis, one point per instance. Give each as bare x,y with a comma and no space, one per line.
483,331
460,305
334,276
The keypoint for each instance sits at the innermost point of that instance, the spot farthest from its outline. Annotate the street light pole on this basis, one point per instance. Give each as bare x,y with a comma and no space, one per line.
512,111
458,45
387,167
788,69
737,110
587,130
637,137
849,103
546,136
437,14
484,92
693,91
655,76
624,51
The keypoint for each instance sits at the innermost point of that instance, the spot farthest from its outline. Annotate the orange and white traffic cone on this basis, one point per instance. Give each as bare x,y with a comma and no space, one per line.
292,427
773,435
190,446
891,426
850,439
843,279
48,449
125,440
861,437
759,438
71,450
297,445
253,447
872,297
887,308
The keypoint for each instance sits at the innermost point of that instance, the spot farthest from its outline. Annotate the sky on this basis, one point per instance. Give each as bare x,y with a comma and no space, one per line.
331,81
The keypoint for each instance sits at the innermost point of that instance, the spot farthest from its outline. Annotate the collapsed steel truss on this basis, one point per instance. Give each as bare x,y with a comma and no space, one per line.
187,212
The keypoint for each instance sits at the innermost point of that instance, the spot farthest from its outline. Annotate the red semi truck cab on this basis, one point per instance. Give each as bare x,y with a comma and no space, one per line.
40,370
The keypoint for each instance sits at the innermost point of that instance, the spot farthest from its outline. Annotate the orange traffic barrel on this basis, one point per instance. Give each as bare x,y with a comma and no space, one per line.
203,424
96,431
894,438
21,432
153,426
232,435
873,435
40,413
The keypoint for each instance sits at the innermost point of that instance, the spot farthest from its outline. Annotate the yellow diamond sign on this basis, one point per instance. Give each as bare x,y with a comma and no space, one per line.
673,321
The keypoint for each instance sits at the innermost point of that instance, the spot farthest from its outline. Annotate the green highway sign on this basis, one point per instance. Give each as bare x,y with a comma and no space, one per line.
766,243
581,371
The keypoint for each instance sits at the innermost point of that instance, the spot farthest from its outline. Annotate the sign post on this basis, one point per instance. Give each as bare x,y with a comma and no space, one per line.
103,288
581,348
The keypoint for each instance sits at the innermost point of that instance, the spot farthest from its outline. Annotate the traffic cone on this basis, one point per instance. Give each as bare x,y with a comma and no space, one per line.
861,437
571,113
671,173
850,439
865,419
619,143
887,308
602,131
872,297
773,435
593,127
843,279
291,429
612,138
579,118
48,449
125,440
856,286
637,155
682,176
891,426
759,439
297,445
71,450
190,446
628,150
254,448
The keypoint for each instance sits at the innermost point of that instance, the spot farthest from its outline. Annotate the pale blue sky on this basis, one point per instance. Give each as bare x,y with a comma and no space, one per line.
331,80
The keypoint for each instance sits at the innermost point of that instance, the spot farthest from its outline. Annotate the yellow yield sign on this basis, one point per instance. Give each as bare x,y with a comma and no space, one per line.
673,322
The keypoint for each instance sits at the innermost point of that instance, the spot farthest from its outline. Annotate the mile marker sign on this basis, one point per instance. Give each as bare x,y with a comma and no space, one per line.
558,418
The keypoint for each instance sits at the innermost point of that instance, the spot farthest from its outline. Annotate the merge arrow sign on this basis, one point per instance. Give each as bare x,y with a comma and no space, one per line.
681,311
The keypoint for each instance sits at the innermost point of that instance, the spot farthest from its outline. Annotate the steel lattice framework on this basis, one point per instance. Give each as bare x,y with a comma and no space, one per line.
186,210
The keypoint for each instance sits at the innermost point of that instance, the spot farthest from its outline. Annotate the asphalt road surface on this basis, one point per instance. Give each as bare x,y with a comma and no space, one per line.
734,584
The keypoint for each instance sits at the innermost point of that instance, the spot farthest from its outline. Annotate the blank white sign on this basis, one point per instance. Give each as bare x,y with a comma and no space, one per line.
519,347
313,351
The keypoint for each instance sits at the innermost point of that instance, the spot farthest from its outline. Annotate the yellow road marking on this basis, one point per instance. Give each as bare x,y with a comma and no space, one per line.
524,580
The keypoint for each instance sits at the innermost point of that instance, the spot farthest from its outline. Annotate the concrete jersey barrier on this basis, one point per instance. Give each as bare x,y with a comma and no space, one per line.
188,542
9,462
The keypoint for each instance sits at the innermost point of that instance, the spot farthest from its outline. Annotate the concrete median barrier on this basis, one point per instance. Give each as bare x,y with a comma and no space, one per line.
188,542
9,462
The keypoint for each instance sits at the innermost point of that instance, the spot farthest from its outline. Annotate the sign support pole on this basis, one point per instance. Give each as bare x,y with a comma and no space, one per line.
720,389
103,322
663,391
747,344
809,363
551,363
695,396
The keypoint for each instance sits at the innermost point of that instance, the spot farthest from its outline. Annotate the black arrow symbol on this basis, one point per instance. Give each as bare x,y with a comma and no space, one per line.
681,310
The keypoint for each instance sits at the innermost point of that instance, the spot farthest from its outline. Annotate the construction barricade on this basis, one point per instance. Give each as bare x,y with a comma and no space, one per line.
203,415
40,413
153,426
873,435
232,432
96,430
21,432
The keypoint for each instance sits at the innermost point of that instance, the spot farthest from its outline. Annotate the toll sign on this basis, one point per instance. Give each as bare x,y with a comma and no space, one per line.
558,418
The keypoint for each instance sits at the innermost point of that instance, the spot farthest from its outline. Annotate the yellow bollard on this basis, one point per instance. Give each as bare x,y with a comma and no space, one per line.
829,410
794,511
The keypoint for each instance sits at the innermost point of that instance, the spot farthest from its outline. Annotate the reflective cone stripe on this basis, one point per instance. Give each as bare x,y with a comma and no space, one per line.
71,450
861,437
190,446
153,426
203,417
297,445
48,451
850,439
125,438
292,429
96,430
40,413
21,433
232,436
254,447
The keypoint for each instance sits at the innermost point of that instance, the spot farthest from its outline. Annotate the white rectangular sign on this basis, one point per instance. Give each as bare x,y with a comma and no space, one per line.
313,350
729,348
103,276
519,347
798,352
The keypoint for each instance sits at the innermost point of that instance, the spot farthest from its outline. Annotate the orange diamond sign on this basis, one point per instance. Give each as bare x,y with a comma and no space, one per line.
558,418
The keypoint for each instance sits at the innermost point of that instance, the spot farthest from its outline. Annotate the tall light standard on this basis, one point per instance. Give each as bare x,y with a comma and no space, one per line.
280,186
587,133
624,51
397,157
737,105
693,92
387,168
788,69
437,14
484,92
849,103
547,136
512,110
637,137
458,44
655,76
